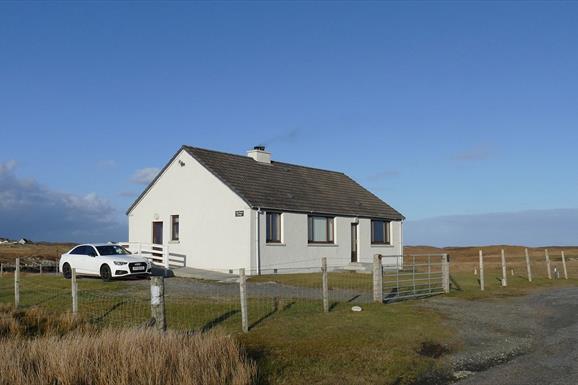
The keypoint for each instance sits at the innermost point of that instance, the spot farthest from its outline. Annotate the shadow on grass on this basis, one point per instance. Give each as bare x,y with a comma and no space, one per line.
353,298
48,299
220,319
455,284
275,310
101,317
391,295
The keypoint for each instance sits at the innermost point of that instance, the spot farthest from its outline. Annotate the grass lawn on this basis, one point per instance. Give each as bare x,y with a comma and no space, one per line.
380,345
342,280
466,285
293,341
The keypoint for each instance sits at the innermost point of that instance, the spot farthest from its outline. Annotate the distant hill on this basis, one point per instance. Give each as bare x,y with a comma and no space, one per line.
10,251
471,252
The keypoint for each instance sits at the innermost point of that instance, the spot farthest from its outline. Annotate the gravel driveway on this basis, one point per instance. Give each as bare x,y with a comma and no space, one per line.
524,340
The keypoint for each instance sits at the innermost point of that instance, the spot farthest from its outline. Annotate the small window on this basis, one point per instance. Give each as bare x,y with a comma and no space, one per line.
273,227
380,232
320,229
174,227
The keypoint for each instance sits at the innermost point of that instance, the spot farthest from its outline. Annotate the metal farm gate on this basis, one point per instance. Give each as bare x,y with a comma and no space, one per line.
413,276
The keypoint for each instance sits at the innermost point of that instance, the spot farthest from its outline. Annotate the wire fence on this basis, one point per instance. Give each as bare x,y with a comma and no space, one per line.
244,301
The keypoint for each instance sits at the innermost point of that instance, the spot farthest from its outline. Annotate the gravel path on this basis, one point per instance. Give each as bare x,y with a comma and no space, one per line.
523,340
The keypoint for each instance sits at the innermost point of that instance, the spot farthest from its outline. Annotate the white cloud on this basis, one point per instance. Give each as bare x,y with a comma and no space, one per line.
144,175
530,228
127,194
29,209
7,166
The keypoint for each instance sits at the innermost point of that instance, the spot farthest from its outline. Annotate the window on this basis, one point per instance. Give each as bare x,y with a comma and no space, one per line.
273,227
174,227
79,250
320,229
112,250
380,232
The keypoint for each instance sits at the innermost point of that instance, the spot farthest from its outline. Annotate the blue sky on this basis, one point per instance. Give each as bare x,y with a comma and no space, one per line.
457,114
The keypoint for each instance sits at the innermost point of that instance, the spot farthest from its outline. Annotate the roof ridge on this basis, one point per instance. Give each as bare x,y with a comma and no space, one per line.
273,161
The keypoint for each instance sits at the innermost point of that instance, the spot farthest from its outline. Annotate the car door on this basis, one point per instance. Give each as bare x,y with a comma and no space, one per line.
93,261
75,257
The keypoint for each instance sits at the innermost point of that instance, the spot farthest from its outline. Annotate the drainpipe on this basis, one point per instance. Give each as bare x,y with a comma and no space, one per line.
258,240
401,240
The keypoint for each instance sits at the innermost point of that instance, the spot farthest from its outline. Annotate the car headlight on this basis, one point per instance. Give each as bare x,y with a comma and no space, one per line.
119,263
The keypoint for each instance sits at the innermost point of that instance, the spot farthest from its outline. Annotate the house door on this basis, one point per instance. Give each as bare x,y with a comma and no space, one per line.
354,242
158,233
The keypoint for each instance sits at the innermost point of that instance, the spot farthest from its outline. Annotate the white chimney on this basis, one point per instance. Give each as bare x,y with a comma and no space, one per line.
259,154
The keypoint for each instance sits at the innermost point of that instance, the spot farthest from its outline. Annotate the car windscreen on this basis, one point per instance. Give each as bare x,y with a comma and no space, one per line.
112,250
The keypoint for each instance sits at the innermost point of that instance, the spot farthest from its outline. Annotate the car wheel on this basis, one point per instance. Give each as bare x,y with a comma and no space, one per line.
105,273
66,271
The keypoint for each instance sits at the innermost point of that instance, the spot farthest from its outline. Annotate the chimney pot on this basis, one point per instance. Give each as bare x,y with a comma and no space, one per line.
259,154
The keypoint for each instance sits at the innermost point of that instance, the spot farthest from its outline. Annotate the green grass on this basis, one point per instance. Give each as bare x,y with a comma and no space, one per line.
379,345
342,280
466,285
293,341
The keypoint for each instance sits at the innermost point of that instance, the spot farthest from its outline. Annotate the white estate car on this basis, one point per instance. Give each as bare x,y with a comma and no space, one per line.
105,260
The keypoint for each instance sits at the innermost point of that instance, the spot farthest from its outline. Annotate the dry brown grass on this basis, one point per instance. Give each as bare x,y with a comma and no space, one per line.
36,322
42,349
125,357
471,252
466,258
50,251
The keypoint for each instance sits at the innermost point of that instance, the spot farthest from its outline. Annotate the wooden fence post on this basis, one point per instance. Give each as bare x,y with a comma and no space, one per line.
1,269
482,271
74,290
17,284
564,265
40,268
528,266
377,279
158,302
446,273
325,285
504,273
243,295
548,267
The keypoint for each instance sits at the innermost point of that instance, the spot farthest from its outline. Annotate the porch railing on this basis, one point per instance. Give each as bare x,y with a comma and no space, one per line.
160,255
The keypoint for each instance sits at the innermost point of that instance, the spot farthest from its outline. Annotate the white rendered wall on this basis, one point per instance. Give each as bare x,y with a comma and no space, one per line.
294,251
211,236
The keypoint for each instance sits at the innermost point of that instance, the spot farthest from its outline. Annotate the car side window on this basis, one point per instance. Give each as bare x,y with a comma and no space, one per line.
91,251
77,250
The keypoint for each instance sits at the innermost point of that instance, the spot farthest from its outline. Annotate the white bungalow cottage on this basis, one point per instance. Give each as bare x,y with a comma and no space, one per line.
219,211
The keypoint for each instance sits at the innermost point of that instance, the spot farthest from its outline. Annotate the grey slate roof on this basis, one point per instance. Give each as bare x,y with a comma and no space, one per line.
289,187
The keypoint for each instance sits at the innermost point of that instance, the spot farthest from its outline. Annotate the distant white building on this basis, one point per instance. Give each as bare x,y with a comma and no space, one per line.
223,211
